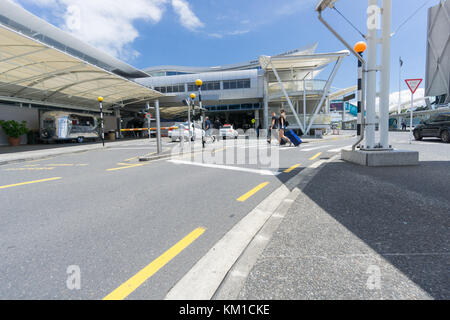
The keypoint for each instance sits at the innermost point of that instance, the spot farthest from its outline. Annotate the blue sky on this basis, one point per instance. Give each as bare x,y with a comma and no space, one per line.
211,32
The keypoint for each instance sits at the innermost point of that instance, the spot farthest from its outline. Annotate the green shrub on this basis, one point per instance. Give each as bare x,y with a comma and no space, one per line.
13,128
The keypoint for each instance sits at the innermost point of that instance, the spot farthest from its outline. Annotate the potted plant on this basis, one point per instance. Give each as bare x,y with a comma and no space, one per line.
14,130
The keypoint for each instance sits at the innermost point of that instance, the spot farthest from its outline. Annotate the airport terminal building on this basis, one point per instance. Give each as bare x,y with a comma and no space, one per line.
43,68
240,92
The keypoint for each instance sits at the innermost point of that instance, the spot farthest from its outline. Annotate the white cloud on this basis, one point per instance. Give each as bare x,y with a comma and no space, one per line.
109,25
188,19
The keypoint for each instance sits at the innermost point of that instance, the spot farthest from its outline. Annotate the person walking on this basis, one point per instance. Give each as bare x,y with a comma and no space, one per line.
273,126
403,125
208,129
216,126
283,125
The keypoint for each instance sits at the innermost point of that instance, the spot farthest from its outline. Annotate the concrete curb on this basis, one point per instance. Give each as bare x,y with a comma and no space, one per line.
207,275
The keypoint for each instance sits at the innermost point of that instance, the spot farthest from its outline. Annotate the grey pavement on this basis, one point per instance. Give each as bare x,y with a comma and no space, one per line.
112,215
361,233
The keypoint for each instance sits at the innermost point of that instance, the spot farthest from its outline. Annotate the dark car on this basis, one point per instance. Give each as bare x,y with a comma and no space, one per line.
437,126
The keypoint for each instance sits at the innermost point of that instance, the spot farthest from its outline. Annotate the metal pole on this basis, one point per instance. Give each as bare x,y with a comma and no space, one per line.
201,113
360,116
266,103
158,127
399,108
304,104
385,74
371,80
148,119
411,120
189,123
101,124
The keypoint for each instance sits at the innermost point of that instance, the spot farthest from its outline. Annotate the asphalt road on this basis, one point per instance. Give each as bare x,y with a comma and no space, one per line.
132,228
111,215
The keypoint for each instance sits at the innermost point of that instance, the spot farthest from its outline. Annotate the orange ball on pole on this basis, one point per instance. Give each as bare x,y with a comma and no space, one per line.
360,47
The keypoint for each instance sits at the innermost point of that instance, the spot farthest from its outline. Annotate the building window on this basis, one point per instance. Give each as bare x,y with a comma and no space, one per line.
236,84
171,89
207,86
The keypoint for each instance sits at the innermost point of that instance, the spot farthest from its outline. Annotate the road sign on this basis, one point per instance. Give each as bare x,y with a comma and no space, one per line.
148,115
413,84
350,97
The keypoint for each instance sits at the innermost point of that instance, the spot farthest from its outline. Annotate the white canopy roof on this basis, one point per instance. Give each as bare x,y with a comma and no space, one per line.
37,72
300,62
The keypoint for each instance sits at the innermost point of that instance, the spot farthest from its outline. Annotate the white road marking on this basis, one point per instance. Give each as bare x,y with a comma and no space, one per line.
218,166
340,149
315,148
317,164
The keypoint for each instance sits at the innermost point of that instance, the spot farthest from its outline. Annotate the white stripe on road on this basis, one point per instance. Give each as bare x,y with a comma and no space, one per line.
218,166
315,148
340,149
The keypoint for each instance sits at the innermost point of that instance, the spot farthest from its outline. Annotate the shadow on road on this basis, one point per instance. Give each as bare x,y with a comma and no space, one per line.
402,213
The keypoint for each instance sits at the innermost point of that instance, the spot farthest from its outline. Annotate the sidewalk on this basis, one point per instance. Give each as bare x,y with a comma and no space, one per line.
36,152
358,233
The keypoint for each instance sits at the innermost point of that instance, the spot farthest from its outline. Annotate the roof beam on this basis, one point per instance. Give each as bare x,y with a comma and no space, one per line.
78,83
24,54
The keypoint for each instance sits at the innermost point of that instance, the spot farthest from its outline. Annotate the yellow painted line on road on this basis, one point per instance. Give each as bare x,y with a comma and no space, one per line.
129,159
316,156
61,165
220,150
292,168
125,289
126,167
252,192
29,182
30,169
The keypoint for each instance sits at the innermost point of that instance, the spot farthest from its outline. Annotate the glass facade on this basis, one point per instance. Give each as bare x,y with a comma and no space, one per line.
236,84
171,89
207,86
235,107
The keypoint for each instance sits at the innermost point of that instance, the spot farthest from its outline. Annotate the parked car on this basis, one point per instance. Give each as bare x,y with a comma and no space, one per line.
437,126
227,131
196,132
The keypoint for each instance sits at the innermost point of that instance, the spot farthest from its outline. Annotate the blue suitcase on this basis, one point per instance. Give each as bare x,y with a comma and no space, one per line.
293,137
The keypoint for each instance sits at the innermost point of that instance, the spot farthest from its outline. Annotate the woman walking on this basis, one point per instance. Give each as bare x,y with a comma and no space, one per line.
283,126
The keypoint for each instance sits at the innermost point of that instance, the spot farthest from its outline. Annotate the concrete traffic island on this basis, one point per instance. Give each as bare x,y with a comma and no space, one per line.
385,158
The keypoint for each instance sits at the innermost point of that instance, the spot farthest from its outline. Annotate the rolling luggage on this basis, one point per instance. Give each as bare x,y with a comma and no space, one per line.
293,137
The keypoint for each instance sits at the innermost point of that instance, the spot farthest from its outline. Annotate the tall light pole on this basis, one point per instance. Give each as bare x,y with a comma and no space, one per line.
385,74
192,96
100,100
359,47
372,26
199,84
